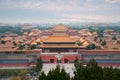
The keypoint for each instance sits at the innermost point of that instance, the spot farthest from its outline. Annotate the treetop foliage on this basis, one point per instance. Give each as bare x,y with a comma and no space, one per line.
55,74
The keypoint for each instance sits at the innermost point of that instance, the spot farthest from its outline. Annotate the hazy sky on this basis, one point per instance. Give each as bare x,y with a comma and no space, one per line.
59,11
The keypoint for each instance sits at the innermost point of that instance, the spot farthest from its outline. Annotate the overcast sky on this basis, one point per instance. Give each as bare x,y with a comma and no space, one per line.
59,11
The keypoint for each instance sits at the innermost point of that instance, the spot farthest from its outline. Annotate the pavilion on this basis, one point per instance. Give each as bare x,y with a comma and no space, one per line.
59,44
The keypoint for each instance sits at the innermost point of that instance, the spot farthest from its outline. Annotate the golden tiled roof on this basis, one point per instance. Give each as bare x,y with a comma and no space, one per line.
7,38
60,27
85,43
38,40
33,43
81,40
59,39
59,46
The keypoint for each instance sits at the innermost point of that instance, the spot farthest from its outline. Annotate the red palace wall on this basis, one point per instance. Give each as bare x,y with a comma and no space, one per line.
48,58
68,58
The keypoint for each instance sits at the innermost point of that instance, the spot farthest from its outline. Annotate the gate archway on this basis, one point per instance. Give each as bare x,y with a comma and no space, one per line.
66,61
52,60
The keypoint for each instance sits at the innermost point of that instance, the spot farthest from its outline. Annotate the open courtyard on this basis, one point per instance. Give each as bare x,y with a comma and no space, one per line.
69,68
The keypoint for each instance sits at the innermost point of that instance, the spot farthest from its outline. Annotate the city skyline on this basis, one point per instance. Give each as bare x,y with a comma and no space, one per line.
59,11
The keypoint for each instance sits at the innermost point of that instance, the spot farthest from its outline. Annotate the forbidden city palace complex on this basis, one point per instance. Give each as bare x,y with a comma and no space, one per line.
59,44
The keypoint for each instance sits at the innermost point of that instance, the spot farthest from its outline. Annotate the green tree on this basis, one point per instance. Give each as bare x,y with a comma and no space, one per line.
51,75
42,76
95,39
38,65
79,43
118,42
33,46
3,42
88,47
116,73
23,73
76,63
100,40
95,72
91,46
14,73
14,43
79,73
21,46
103,43
111,74
100,32
57,72
114,38
64,75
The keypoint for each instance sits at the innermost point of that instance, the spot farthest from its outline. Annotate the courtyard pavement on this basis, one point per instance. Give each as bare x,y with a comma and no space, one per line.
69,68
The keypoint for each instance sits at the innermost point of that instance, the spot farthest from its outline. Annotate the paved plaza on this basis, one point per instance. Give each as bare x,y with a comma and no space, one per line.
69,68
